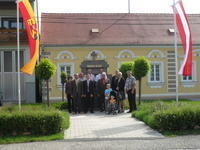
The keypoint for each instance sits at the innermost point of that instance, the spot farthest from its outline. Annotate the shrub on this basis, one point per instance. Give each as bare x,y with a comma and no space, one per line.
60,105
177,118
144,113
32,120
169,116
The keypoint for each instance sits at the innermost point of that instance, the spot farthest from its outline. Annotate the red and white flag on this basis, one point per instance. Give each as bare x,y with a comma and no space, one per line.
185,34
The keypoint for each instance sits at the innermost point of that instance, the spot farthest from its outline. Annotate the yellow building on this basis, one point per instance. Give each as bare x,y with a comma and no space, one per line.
72,41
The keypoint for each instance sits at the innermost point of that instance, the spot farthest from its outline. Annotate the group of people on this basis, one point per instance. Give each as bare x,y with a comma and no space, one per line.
83,91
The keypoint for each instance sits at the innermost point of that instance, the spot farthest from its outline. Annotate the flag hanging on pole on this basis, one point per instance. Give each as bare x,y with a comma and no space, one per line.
32,33
185,34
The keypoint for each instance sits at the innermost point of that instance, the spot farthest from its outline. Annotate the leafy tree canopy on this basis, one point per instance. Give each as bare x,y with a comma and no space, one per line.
45,69
126,66
141,67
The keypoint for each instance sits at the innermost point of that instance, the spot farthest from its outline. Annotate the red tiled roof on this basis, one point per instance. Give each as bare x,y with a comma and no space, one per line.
72,29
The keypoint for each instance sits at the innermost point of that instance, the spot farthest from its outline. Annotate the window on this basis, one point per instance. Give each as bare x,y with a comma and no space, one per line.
192,77
156,76
187,78
21,55
155,73
11,23
66,67
190,81
8,61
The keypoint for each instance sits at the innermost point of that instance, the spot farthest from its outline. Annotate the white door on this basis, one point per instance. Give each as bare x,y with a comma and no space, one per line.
8,75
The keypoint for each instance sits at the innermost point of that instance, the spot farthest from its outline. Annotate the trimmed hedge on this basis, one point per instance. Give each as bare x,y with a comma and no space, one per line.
60,105
33,119
182,118
33,123
166,116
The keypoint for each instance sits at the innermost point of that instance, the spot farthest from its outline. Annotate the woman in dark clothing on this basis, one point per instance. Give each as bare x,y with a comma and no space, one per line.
68,91
114,81
120,91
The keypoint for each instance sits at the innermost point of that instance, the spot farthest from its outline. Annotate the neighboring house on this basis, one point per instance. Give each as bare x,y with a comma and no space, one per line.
8,56
77,42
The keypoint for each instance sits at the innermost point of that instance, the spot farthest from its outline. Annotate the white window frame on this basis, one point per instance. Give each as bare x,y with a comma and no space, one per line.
59,71
190,83
157,84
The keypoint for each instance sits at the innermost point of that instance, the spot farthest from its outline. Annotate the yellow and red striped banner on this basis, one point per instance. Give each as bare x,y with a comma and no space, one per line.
32,33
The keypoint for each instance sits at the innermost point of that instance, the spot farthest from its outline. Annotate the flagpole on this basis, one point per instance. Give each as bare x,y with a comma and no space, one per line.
129,9
37,16
176,56
18,58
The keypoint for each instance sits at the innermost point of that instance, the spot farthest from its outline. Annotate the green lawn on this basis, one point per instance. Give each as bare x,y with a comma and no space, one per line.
32,138
169,117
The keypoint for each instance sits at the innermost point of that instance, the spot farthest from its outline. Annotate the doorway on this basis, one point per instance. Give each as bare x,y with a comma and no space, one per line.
8,75
94,65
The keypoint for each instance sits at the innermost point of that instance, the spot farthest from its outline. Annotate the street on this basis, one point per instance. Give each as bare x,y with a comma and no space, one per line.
175,143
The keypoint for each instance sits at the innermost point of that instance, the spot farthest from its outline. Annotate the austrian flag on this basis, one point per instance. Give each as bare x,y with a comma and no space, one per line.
32,33
185,35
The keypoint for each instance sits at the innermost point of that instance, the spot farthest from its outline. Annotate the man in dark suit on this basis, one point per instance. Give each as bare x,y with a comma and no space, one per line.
88,86
81,93
75,93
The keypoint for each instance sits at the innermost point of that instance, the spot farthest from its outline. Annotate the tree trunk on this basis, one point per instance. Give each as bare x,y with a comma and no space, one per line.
47,82
63,92
38,89
140,88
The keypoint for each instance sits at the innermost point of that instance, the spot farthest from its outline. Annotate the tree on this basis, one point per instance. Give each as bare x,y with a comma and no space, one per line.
140,69
44,70
126,66
63,77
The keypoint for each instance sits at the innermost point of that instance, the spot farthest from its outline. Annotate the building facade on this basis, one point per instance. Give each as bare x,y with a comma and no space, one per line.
8,56
78,42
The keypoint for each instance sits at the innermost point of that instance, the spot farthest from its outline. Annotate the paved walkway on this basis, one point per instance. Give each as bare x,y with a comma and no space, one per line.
101,126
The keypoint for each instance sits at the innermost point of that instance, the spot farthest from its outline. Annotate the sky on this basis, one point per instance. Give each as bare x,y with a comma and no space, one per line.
114,6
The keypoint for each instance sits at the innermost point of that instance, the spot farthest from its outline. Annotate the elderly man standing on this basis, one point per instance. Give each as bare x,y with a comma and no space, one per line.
131,91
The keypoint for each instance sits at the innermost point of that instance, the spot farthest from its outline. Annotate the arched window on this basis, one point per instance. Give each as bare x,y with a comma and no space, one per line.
125,54
155,54
65,55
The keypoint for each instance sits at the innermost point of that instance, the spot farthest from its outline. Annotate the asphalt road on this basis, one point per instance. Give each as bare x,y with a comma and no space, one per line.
176,143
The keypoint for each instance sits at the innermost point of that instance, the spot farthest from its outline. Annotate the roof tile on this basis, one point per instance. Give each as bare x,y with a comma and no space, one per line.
116,28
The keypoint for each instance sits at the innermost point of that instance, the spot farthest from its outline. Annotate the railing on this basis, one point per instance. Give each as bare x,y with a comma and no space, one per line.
10,35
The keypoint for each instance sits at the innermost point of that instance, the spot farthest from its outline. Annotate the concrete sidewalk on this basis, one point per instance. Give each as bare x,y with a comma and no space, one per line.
102,126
